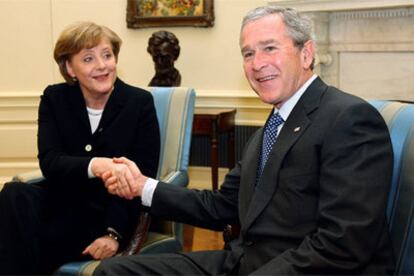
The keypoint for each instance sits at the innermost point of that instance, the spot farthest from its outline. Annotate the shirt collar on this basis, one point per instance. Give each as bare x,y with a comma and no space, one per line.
288,106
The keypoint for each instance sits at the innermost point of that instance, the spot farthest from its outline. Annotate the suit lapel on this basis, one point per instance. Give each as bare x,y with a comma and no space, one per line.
296,124
77,107
115,103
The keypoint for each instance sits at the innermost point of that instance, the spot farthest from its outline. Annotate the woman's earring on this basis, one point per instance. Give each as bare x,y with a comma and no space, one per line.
74,79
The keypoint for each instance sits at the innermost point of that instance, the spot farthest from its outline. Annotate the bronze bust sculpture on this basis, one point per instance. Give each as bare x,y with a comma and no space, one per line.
164,48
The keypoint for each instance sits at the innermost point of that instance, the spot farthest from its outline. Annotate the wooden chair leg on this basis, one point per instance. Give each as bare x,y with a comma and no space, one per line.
139,236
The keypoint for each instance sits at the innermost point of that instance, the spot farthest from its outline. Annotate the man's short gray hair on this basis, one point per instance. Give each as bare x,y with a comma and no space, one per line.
299,27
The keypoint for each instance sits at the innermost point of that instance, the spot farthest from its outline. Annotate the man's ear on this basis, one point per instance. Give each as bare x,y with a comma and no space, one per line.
69,69
308,53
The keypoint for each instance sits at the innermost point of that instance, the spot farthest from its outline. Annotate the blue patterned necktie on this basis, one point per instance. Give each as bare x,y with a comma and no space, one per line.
269,138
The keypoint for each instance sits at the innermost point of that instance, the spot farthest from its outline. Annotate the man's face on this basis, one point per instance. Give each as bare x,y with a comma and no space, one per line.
274,67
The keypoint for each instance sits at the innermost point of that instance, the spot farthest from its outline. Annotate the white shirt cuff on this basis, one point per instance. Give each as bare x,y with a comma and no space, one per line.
90,173
148,191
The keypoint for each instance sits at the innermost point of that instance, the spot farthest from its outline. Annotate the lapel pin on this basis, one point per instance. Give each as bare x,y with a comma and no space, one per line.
296,129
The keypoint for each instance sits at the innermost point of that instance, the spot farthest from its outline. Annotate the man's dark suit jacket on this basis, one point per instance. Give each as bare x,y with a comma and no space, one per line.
319,206
128,127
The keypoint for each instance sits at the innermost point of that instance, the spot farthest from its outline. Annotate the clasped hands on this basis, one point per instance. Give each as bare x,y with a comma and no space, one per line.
122,177
125,180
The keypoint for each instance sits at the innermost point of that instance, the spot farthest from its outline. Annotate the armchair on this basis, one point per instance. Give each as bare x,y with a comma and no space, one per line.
400,209
175,108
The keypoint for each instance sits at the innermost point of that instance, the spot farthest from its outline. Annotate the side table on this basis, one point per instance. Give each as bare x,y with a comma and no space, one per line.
212,122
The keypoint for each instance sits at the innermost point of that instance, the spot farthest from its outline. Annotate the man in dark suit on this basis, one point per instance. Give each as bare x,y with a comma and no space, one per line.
309,201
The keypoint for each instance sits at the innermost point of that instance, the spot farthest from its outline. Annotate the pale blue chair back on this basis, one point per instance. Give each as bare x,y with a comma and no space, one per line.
176,125
172,117
399,118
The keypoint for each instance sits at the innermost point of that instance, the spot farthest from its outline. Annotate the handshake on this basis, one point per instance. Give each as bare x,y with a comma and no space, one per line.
121,176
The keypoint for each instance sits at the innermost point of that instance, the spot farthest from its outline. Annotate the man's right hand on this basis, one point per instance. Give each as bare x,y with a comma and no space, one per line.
127,185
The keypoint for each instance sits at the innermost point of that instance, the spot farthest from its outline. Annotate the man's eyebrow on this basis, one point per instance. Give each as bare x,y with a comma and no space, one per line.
261,43
245,48
268,41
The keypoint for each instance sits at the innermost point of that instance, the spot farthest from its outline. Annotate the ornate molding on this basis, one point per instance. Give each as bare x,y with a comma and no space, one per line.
20,107
9,169
369,26
323,59
340,5
373,14
18,122
19,98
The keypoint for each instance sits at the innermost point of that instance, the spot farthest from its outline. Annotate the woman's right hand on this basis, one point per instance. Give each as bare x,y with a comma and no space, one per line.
122,181
100,165
133,178
120,174
102,248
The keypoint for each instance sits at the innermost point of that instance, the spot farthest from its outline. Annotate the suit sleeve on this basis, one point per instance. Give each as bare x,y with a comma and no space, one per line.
205,208
355,172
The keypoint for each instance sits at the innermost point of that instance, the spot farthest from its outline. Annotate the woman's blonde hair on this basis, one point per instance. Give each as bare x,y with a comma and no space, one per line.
78,36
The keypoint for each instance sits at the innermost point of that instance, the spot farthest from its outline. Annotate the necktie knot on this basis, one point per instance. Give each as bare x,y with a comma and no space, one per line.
269,138
274,121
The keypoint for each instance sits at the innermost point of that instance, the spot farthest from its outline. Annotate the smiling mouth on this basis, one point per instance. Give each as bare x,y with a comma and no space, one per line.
101,77
266,78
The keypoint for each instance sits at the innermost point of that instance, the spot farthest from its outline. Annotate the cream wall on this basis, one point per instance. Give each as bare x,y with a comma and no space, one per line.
210,61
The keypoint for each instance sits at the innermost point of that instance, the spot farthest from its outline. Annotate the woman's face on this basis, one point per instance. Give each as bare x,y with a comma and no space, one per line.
95,69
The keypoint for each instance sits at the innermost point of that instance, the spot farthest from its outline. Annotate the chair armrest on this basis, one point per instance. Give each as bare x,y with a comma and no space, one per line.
140,235
178,178
30,177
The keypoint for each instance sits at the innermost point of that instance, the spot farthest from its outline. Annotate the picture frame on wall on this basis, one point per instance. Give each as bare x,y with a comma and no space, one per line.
169,13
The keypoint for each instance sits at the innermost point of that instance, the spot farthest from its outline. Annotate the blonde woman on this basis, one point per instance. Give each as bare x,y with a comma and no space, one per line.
83,123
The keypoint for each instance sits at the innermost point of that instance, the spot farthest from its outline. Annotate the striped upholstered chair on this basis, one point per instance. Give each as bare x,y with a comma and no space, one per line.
175,109
400,210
